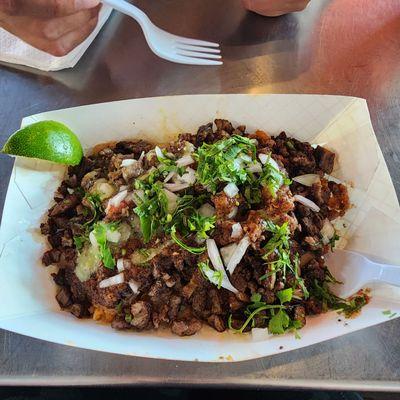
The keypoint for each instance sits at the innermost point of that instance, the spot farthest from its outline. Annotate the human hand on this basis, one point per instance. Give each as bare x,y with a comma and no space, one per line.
54,26
274,8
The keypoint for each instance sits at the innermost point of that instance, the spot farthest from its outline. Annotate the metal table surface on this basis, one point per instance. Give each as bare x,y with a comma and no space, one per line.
347,47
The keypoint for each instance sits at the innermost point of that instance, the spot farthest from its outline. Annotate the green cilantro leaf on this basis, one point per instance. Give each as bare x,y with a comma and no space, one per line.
225,161
190,249
279,323
333,241
152,209
285,295
80,241
201,225
95,206
279,246
272,178
348,307
100,233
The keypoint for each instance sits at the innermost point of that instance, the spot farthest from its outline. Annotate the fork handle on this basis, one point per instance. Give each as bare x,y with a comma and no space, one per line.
130,10
389,274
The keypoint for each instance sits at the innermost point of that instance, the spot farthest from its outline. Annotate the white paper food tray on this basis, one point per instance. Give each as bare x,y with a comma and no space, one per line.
342,124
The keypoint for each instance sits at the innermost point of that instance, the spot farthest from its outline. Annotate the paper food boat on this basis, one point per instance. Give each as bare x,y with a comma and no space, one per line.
342,124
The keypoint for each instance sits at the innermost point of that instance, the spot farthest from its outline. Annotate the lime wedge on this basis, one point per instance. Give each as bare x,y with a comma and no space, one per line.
46,140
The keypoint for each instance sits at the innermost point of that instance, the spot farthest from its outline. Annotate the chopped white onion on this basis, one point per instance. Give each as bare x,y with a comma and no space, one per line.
227,251
263,158
137,196
189,148
134,286
199,240
245,158
231,190
332,178
237,231
70,190
93,240
188,177
172,199
184,161
141,156
216,261
233,213
159,153
237,256
116,200
169,176
176,187
114,280
214,255
307,179
104,189
120,265
226,284
123,187
206,210
127,162
315,145
273,163
125,230
327,232
258,334
306,202
255,167
113,236
266,158
254,141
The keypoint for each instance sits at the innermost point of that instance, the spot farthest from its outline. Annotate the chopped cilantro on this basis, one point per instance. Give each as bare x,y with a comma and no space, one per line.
201,225
348,307
144,252
79,241
225,161
152,209
128,318
279,245
190,249
96,207
252,191
333,241
285,295
118,307
96,211
272,178
279,323
386,312
251,315
289,144
100,233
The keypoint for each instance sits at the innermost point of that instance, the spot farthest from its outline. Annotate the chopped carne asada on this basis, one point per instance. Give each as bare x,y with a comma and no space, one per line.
222,228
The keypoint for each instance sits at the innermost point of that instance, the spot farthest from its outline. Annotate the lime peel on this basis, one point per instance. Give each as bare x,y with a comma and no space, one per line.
46,140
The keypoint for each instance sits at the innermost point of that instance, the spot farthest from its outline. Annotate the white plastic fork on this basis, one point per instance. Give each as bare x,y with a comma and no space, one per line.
357,271
166,45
